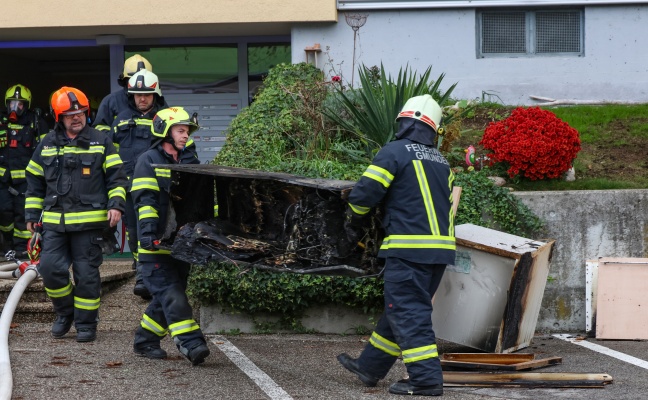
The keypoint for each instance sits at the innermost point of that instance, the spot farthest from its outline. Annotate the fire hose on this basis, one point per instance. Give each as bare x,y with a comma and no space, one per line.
26,273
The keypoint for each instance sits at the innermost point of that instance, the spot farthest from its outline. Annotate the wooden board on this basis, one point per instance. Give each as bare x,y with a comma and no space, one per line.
495,361
622,299
526,379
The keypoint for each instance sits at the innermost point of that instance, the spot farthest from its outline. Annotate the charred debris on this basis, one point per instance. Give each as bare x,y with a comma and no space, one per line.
272,221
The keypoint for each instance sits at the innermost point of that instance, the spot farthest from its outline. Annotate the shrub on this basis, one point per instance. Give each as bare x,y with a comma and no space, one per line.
533,142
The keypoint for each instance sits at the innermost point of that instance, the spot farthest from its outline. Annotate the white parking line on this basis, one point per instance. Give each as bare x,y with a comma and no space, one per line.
263,381
603,350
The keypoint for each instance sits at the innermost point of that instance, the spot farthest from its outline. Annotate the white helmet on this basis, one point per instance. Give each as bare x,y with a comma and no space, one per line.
425,109
144,82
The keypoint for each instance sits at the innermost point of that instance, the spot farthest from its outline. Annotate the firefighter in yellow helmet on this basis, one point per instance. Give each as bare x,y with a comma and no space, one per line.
415,182
19,136
116,102
77,187
164,276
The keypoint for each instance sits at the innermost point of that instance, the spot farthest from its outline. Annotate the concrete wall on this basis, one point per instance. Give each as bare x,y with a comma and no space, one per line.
586,225
614,67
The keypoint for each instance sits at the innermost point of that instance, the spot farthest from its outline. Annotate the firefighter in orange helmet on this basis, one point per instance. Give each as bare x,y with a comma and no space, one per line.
76,186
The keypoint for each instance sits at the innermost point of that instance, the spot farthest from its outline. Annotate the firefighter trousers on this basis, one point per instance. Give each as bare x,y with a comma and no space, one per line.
12,216
405,328
83,251
169,311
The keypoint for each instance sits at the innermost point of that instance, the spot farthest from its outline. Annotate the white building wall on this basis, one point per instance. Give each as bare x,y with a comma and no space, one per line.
614,66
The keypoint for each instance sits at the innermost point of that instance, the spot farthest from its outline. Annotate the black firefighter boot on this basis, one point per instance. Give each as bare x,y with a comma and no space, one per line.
139,289
61,325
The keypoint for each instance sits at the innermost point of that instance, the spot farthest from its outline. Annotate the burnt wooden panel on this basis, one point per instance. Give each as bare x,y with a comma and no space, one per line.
268,220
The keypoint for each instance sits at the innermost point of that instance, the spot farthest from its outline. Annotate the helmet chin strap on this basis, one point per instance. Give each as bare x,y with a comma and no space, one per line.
169,139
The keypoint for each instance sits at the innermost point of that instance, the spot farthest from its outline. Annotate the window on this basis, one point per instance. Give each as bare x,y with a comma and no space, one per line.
193,69
530,33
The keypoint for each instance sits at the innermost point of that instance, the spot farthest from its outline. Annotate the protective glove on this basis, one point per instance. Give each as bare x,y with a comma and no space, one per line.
352,226
148,242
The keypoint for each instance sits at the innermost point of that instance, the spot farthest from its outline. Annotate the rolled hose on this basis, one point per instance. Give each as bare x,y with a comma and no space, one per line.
6,378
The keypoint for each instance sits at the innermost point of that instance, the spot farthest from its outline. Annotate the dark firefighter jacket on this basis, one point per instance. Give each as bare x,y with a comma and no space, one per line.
111,106
150,190
415,181
74,182
18,140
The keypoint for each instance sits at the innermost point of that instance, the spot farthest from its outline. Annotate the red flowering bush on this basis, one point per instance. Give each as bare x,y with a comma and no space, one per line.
534,142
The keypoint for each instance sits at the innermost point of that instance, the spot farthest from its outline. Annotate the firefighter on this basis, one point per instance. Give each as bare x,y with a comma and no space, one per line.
164,276
19,136
131,133
118,101
77,186
415,182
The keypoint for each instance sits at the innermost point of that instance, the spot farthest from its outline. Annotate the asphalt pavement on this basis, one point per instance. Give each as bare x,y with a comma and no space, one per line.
276,367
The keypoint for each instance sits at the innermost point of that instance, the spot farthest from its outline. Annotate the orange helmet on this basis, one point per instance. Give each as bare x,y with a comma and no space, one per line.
68,101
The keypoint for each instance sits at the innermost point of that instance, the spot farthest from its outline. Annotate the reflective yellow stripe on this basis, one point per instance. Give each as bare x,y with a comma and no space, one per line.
86,304
22,234
102,127
7,228
50,217
96,149
3,171
359,209
150,325
147,212
145,183
111,161
34,169
427,197
418,242
34,202
216,210
451,178
385,345
117,192
181,327
420,353
379,174
84,217
17,174
62,292
140,250
163,172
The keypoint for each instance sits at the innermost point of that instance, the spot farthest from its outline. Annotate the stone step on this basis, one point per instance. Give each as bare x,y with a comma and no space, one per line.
35,305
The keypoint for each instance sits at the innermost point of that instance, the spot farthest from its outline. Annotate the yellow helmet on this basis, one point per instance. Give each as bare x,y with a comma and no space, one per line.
168,117
134,64
20,93
425,109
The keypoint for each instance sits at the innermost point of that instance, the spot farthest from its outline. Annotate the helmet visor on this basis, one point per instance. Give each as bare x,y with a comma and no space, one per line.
16,106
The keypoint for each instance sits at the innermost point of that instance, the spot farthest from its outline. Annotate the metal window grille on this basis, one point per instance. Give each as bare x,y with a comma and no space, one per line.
530,32
558,32
504,32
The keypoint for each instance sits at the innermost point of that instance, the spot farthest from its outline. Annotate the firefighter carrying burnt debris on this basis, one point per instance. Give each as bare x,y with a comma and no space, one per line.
164,277
415,182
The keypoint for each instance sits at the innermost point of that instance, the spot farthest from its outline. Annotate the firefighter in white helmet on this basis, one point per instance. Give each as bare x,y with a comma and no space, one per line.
415,182
116,102
131,133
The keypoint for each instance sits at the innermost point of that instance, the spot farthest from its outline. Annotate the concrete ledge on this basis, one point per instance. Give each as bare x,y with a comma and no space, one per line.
321,319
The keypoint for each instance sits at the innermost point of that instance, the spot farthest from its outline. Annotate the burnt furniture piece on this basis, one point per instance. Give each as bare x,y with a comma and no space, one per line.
266,220
490,299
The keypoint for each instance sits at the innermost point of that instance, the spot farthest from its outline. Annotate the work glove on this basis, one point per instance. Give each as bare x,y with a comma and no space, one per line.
353,226
148,242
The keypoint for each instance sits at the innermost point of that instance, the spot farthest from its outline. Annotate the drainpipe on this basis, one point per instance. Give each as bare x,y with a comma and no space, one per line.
6,379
